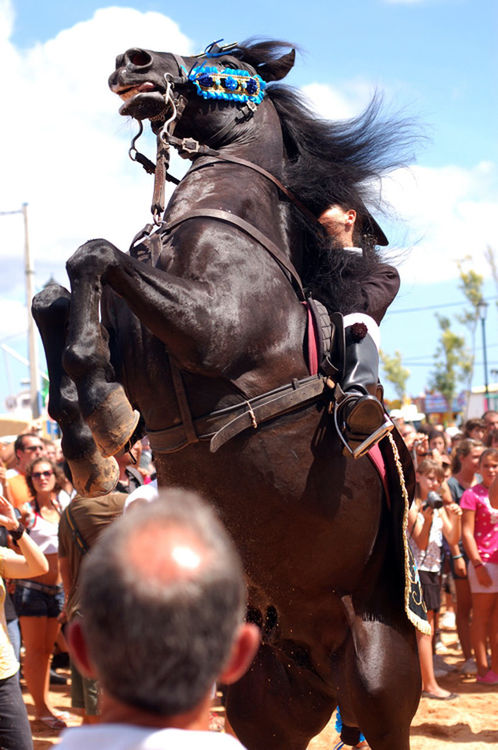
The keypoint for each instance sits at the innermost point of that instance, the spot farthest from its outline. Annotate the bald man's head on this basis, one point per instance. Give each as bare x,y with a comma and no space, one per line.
163,595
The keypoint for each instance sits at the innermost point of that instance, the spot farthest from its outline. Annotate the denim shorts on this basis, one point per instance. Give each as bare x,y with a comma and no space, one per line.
33,603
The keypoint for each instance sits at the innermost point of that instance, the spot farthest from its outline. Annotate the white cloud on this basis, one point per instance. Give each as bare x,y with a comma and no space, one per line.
338,104
64,145
449,213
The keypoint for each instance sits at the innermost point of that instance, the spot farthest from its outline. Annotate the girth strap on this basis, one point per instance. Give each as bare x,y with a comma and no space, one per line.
223,424
245,226
183,405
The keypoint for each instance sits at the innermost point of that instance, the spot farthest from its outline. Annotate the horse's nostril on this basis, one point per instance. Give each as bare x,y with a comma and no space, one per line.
138,57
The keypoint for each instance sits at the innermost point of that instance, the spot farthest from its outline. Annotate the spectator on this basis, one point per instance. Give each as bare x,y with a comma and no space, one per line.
9,609
15,733
480,536
416,442
465,464
39,601
475,429
428,523
490,419
492,438
27,447
159,694
437,442
81,524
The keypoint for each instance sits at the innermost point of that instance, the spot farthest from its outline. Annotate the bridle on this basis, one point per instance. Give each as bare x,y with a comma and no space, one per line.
188,148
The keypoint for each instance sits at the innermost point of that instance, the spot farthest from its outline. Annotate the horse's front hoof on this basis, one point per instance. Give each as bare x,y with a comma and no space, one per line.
94,475
113,422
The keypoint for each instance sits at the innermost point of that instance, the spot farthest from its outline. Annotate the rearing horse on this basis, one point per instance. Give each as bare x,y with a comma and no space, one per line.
198,321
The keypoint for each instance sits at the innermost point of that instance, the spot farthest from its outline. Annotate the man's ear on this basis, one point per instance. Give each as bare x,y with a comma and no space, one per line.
243,652
78,649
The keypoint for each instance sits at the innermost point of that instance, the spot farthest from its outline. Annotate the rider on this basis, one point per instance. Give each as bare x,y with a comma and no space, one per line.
372,286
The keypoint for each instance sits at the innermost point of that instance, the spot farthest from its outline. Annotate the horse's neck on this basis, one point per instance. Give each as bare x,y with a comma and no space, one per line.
239,189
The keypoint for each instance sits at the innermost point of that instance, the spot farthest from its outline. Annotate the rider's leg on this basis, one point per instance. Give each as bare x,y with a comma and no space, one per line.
360,415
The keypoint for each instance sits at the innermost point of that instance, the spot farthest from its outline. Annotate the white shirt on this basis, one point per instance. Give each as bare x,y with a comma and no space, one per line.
430,559
129,737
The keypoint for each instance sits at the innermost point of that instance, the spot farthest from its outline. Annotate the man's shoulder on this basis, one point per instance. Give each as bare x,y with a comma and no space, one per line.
87,506
130,737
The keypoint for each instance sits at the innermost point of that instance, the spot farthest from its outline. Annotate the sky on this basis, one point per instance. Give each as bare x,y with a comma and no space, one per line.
65,145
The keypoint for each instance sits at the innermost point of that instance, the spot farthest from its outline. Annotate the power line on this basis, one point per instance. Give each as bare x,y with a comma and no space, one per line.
434,307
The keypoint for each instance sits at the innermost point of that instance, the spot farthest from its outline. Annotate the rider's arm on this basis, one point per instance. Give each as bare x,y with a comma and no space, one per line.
379,290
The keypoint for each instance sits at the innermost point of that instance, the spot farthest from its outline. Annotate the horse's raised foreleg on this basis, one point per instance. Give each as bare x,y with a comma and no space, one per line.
277,705
102,401
92,475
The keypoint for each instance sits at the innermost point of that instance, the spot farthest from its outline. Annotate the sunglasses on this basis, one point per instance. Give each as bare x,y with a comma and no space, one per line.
39,474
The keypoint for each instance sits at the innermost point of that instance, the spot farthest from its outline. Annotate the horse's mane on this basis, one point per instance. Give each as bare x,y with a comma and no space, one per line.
331,161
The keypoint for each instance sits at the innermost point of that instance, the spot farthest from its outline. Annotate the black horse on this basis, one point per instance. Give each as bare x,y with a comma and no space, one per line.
198,321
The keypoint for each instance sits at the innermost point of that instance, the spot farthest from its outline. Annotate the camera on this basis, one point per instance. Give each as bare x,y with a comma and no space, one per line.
433,501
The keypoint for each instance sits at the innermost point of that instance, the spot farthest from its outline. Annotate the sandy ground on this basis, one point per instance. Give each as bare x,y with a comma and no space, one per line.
470,722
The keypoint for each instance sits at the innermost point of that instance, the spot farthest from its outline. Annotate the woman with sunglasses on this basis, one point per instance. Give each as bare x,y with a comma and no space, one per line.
39,600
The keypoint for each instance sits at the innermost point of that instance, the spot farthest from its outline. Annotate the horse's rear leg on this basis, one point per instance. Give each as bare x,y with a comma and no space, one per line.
380,682
277,705
103,402
92,475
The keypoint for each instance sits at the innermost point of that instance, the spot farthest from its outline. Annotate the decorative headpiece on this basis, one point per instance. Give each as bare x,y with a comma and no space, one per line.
228,84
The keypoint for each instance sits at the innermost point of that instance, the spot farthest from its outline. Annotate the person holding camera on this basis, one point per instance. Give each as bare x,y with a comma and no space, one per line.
429,519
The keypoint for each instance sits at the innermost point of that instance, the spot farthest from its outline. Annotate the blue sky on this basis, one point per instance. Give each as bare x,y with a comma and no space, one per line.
435,60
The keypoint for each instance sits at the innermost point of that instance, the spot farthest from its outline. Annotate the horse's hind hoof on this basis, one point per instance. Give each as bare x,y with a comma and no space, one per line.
94,475
113,422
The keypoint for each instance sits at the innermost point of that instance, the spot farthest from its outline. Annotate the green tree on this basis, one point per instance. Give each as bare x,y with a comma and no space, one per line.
471,284
490,256
452,361
395,373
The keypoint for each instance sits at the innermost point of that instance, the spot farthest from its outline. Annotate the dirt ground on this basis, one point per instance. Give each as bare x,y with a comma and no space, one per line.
470,721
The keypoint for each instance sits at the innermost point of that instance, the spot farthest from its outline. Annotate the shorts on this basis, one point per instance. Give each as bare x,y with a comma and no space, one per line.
431,589
475,586
32,602
84,693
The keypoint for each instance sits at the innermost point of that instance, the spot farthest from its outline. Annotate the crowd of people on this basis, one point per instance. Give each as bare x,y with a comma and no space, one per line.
47,531
453,534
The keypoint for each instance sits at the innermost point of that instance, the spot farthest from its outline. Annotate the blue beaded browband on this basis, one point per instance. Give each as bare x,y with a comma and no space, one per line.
228,84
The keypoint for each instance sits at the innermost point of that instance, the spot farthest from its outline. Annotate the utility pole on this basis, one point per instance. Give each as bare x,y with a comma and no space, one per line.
29,272
483,309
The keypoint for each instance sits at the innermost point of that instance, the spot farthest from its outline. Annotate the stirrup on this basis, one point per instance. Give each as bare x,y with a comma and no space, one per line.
365,444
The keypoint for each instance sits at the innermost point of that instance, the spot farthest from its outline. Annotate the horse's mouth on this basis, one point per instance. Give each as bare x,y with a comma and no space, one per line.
141,100
129,92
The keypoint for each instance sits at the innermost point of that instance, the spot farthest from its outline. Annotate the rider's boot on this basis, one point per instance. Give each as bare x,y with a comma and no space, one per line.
359,415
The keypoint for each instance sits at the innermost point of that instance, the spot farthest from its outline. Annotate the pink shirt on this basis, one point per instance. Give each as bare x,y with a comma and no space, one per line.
486,521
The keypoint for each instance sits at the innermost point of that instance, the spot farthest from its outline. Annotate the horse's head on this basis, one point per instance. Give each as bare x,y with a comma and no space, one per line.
215,85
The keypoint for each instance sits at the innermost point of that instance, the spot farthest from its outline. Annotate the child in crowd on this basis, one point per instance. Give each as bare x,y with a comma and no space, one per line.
480,538
428,522
465,464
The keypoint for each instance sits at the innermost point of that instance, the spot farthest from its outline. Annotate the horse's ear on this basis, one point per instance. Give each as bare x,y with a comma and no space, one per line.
277,69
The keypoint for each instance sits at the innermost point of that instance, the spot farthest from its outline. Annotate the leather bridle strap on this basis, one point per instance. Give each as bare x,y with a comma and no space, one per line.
262,239
191,147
